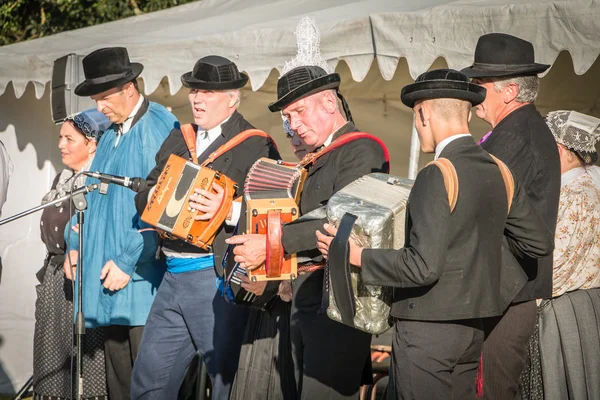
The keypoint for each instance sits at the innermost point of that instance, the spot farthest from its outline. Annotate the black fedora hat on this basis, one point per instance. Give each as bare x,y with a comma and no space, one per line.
498,55
214,73
442,84
105,69
301,82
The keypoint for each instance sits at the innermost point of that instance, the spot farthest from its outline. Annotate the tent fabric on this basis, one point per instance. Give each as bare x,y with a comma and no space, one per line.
259,36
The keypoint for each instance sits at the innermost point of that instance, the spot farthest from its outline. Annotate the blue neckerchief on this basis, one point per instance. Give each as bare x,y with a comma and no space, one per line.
177,265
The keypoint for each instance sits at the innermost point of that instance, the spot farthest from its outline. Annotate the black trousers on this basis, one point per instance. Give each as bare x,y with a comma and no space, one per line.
120,350
505,350
436,360
329,357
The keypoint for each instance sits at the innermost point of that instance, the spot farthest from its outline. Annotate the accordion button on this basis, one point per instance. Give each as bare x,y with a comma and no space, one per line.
412,305
317,186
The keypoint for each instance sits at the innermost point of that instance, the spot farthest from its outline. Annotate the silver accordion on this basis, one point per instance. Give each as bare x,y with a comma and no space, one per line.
378,201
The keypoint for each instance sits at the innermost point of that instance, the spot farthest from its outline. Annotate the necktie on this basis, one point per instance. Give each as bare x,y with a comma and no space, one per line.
484,138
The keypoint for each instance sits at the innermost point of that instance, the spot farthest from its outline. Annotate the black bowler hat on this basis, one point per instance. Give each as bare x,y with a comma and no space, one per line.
442,84
498,54
105,69
214,73
302,82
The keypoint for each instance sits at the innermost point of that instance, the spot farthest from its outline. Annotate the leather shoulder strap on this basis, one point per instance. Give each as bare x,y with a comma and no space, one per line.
450,179
189,135
337,272
509,182
237,139
311,158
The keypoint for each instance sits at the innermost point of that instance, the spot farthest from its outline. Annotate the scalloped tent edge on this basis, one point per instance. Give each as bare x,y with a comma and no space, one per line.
259,37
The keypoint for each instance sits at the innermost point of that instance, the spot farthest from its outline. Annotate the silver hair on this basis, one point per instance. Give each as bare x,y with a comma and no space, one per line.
239,96
529,86
337,100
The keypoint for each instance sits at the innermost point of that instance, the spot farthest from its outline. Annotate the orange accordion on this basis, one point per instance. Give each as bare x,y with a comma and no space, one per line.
168,207
272,191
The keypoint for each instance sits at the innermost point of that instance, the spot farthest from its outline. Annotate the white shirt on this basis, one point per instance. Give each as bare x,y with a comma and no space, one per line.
330,137
442,145
126,125
203,140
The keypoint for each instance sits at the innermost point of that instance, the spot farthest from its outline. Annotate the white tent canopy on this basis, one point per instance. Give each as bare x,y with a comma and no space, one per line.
259,36
404,37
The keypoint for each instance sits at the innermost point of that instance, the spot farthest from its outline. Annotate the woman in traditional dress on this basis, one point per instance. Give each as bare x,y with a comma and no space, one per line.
54,352
564,351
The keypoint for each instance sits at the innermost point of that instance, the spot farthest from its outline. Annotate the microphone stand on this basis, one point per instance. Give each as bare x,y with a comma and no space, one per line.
80,203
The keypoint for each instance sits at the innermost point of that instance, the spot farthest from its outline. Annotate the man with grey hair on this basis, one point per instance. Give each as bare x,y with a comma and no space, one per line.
189,313
505,66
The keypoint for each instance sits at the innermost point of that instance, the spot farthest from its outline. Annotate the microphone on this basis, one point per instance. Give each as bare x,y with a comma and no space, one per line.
135,184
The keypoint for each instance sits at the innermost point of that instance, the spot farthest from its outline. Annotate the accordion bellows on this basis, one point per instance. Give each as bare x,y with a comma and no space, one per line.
379,202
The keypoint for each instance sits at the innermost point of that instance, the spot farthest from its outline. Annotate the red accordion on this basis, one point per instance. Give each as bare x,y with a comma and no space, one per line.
272,191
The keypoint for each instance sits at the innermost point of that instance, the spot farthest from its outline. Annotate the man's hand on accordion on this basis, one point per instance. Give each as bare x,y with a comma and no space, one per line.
251,249
207,202
258,288
324,241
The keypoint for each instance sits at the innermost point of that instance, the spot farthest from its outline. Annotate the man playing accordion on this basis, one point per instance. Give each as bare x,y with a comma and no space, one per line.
189,313
329,357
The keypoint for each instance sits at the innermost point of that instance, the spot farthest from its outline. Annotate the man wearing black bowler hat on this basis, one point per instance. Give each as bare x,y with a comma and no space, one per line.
448,277
189,314
329,357
120,272
505,65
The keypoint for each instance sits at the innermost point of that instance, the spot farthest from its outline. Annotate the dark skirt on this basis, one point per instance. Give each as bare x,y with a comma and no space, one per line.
53,343
565,353
266,368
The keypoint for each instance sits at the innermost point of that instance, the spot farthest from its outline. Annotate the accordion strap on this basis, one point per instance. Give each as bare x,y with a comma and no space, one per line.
338,270
237,139
189,135
274,256
311,158
221,213
509,182
450,179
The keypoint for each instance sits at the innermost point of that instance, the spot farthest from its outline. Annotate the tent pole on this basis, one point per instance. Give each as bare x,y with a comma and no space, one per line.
415,151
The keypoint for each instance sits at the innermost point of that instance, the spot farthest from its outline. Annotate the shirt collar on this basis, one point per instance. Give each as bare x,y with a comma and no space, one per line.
213,133
441,145
330,137
571,175
126,125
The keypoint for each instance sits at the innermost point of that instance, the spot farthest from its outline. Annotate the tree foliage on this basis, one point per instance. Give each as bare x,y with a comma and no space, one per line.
29,19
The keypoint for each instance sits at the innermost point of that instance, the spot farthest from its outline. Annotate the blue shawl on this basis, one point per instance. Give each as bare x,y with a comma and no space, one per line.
111,225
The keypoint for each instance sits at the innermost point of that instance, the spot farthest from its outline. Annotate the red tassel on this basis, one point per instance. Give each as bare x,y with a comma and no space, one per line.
479,380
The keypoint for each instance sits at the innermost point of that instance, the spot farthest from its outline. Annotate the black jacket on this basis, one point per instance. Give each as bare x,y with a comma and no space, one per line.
330,173
524,142
235,164
450,267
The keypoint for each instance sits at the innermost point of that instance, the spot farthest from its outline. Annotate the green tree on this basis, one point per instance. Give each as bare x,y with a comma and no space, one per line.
29,19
